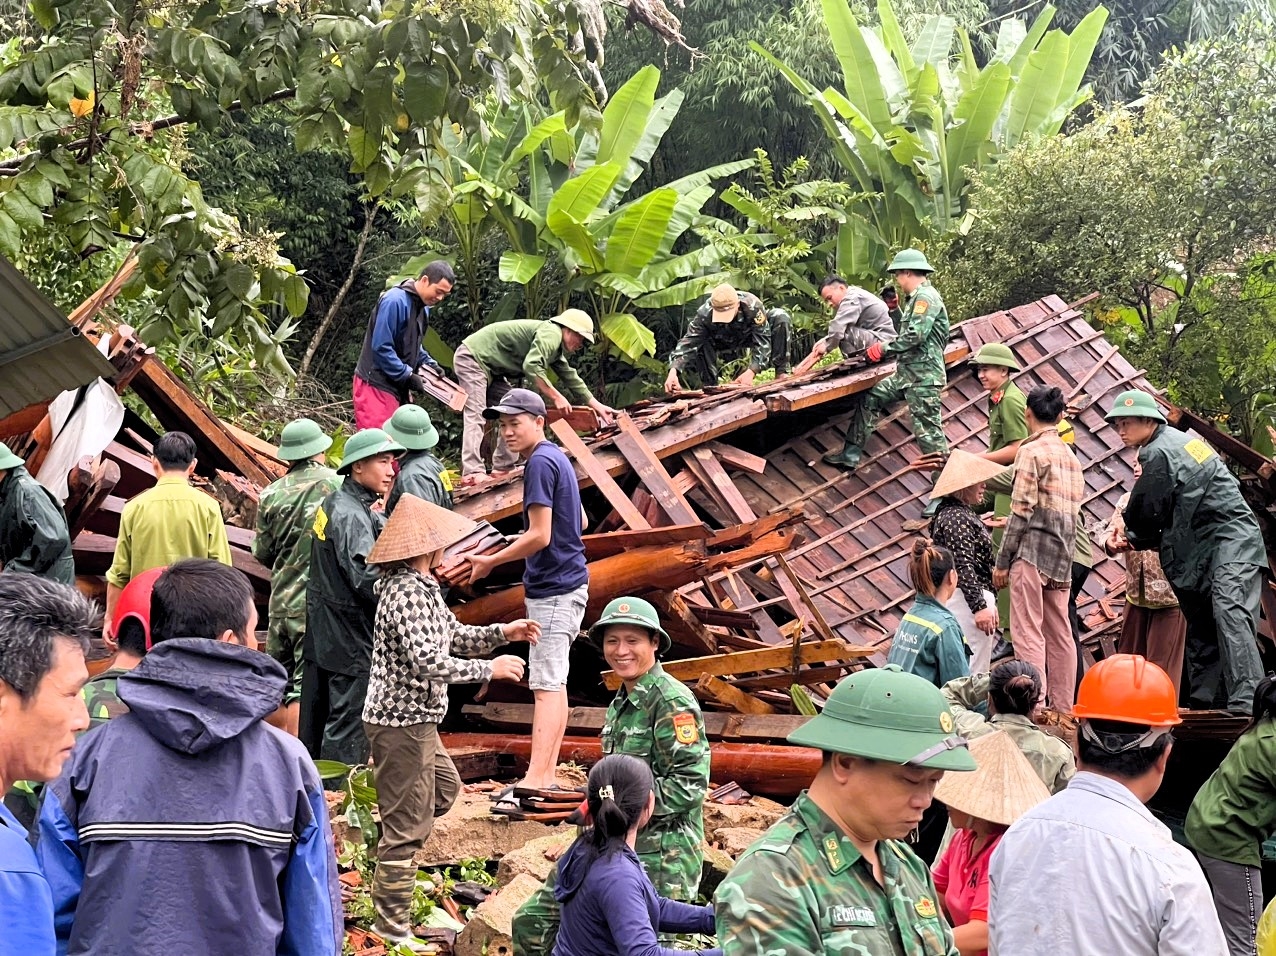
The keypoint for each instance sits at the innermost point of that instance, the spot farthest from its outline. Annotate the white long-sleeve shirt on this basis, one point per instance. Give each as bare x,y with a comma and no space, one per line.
1091,872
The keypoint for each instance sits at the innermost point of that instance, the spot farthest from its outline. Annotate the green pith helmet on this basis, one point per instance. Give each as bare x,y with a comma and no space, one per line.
411,427
578,321
914,260
366,444
994,353
302,439
889,715
8,459
630,610
1135,404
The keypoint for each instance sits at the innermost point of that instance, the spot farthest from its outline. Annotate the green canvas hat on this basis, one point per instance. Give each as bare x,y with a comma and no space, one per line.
887,714
914,260
411,427
366,444
578,321
994,353
630,610
302,439
8,459
1135,404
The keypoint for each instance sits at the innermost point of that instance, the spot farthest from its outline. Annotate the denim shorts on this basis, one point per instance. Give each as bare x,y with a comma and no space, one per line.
560,618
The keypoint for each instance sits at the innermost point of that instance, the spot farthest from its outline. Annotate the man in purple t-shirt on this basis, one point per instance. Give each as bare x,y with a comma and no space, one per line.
556,579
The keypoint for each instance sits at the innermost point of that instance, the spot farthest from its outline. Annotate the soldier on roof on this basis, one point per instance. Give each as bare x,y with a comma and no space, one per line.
731,321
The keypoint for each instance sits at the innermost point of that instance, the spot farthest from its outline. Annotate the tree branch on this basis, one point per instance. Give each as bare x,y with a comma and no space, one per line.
369,218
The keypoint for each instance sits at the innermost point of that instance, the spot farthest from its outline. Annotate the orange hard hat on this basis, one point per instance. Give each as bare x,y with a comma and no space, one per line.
1129,689
135,602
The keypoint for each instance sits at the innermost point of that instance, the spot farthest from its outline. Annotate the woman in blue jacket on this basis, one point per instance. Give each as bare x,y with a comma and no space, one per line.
609,907
929,641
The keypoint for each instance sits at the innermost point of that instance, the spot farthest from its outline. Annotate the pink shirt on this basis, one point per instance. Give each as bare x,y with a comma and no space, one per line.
963,881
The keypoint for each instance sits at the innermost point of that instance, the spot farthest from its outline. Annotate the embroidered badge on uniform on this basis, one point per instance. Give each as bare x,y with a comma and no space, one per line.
832,852
925,907
321,523
759,319
1199,451
920,307
684,728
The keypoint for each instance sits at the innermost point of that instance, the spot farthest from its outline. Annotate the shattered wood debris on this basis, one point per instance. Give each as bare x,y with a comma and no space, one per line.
751,547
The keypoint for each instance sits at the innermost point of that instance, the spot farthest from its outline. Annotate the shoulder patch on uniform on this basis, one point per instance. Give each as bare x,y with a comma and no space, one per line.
445,479
1199,451
321,524
920,307
685,730
759,319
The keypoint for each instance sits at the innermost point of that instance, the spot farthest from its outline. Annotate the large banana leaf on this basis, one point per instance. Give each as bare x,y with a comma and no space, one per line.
682,292
626,115
520,267
658,123
1031,40
581,248
549,126
636,237
975,116
894,85
705,176
935,40
628,334
579,197
893,37
1081,45
661,273
859,72
1038,90
684,214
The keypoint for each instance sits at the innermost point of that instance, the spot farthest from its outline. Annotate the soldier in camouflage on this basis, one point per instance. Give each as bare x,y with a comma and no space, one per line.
420,473
284,518
657,718
731,321
920,374
833,875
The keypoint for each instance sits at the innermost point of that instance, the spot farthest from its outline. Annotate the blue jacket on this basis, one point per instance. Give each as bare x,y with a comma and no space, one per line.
26,909
610,908
929,643
188,825
392,348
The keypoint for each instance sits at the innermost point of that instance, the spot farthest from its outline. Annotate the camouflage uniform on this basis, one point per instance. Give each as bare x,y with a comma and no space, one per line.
764,331
660,722
804,888
101,699
284,518
423,475
919,376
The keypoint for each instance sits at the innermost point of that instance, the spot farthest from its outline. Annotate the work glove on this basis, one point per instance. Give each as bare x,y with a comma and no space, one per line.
874,352
416,383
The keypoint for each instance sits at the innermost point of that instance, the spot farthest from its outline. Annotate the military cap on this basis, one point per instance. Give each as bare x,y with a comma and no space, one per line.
578,320
8,459
411,427
630,610
1135,404
366,444
912,260
994,353
302,438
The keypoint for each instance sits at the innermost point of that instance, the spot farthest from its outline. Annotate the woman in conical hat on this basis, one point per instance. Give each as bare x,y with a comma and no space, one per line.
982,806
416,640
956,526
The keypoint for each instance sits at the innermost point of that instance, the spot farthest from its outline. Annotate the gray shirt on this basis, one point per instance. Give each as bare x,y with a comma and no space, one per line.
861,319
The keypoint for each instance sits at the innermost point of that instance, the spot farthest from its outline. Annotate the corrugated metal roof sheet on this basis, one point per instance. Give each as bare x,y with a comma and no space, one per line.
41,353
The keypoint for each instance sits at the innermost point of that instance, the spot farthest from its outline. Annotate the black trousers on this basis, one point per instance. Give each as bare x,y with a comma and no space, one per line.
331,720
1080,573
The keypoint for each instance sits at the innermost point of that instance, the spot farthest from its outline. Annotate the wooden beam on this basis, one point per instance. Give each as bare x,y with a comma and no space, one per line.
722,484
614,542
683,627
651,472
598,475
724,693
89,486
737,457
745,662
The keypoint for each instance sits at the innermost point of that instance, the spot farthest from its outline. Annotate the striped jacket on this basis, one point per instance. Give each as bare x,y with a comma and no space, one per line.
1045,504
187,825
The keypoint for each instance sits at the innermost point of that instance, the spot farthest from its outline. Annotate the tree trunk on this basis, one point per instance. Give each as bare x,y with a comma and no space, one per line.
369,219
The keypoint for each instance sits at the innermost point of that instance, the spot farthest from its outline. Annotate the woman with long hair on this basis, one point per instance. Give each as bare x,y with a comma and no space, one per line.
929,641
609,907
1231,816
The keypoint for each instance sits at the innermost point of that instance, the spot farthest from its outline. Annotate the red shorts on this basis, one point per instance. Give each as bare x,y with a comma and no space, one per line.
372,406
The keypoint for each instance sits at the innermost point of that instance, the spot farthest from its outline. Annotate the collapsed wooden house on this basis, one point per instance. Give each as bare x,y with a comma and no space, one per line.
775,573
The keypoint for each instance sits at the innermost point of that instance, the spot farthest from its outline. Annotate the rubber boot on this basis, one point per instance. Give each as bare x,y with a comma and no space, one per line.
849,457
392,887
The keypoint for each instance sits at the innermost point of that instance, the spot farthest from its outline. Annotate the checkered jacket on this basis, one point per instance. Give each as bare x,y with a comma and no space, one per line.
414,639
1045,504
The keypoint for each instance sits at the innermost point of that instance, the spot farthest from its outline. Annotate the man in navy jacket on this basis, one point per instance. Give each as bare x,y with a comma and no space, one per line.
189,825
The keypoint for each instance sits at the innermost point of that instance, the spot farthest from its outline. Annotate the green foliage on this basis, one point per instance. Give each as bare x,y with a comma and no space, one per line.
1168,212
910,119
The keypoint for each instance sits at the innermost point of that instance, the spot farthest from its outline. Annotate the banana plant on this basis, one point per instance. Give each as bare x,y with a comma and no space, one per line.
913,119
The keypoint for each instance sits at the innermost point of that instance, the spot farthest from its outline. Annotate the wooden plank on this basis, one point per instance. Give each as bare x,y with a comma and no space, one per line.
745,662
599,476
651,472
82,504
744,728
602,545
682,626
717,617
724,693
737,457
723,484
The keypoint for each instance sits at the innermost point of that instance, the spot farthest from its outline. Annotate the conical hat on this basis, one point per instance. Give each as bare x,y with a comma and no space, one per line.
418,527
1003,787
963,470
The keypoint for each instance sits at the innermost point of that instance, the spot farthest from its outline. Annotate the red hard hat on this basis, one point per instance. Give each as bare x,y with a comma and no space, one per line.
1129,689
135,602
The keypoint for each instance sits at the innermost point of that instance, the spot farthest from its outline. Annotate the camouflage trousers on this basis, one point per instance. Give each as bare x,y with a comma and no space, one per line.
923,403
283,643
674,870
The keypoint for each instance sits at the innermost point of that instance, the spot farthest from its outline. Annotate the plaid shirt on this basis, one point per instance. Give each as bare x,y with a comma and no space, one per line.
1045,504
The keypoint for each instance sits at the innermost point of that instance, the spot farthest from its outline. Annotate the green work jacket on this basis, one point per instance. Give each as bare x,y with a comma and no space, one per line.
423,475
525,349
1235,809
1007,417
33,532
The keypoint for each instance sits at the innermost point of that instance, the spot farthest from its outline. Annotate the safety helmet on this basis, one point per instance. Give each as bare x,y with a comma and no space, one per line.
411,427
994,353
890,715
1135,404
367,443
302,438
579,321
135,602
630,610
1129,689
910,260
